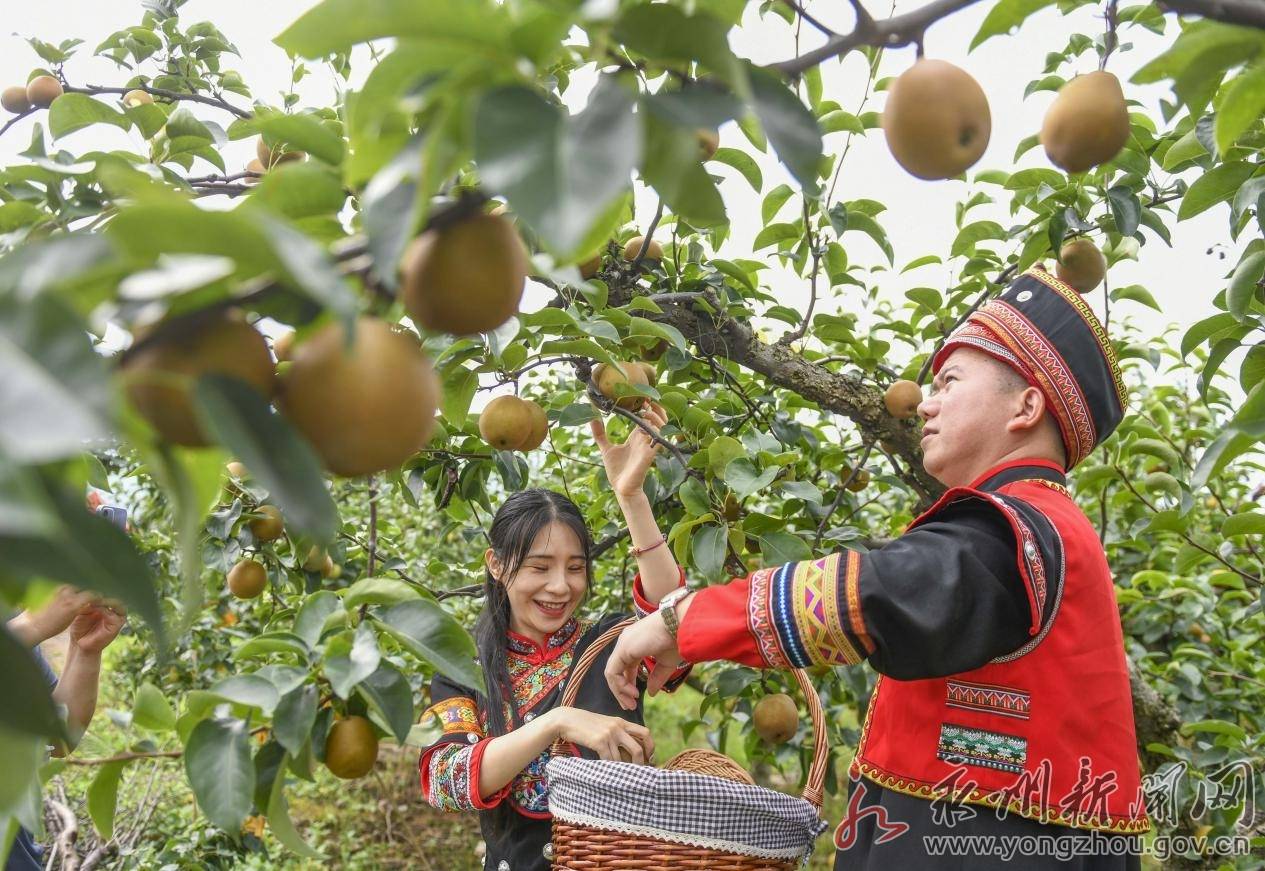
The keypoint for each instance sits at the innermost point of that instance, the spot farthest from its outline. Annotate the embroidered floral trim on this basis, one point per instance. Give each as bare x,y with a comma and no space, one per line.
987,698
449,783
565,635
760,619
1029,810
962,744
1076,301
531,681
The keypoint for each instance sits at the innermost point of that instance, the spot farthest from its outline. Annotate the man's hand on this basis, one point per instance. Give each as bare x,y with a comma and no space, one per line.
98,625
648,637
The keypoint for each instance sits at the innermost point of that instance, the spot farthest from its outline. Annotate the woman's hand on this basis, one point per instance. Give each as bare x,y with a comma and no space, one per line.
627,463
611,738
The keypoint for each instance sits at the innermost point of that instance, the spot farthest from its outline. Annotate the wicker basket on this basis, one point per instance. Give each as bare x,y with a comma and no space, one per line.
591,839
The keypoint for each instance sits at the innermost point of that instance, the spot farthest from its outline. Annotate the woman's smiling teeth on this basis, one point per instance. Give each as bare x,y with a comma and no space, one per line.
552,608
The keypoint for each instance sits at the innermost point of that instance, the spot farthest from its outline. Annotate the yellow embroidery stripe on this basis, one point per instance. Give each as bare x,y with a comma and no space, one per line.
852,583
834,620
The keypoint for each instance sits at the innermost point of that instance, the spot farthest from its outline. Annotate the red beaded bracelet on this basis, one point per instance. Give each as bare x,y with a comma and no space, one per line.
638,551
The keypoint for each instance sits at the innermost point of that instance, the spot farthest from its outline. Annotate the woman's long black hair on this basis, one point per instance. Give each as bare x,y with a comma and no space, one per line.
514,528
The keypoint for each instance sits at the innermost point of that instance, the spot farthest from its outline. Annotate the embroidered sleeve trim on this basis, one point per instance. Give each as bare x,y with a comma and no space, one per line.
457,714
809,613
450,778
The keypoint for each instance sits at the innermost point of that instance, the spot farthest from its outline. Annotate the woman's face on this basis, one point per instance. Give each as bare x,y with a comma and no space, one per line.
548,585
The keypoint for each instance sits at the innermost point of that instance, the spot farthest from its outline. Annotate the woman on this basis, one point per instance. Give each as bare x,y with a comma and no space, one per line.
492,754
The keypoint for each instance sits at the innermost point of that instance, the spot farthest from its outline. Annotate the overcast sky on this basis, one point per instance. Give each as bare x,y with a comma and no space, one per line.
920,214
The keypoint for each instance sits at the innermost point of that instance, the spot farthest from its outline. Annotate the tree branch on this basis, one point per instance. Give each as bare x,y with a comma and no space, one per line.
123,757
813,21
1249,13
895,31
165,94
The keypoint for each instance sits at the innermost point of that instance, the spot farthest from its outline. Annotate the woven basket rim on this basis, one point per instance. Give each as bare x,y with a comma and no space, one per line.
718,844
670,774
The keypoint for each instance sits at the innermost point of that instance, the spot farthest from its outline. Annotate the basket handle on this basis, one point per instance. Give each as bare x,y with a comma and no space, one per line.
813,787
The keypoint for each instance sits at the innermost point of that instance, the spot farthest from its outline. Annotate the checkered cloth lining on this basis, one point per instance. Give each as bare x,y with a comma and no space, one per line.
682,807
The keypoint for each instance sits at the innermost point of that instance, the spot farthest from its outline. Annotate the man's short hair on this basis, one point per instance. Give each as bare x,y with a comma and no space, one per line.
1008,380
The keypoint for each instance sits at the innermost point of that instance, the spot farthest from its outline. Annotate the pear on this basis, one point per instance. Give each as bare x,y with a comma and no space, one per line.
1087,124
902,399
936,120
1081,265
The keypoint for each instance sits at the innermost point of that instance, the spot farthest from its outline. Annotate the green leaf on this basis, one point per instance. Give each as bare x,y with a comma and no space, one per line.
217,761
250,690
71,112
1205,329
299,190
779,548
388,693
311,268
20,213
663,32
773,202
560,173
742,162
76,546
460,385
477,26
432,634
293,719
707,550
776,233
744,479
872,228
1250,418
1187,148
672,167
270,643
969,235
1125,208
280,459
1217,727
1245,283
721,451
103,797
1244,523
152,711
1202,38
790,125
348,661
1137,293
1005,16
26,682
378,591
55,393
1214,187
302,132
693,496
279,818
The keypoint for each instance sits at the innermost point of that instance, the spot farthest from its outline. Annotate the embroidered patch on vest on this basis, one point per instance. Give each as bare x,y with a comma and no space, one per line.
964,745
988,698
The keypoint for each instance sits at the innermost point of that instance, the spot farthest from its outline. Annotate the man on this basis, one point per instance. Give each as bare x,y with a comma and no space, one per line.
93,624
1003,707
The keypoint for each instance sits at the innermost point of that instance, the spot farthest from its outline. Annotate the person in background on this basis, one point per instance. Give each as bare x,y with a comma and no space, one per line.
93,623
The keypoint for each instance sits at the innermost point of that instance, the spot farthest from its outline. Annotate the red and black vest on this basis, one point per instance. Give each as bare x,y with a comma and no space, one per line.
1046,731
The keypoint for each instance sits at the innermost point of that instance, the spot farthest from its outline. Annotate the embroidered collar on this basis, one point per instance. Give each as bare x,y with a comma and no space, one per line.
1017,470
554,645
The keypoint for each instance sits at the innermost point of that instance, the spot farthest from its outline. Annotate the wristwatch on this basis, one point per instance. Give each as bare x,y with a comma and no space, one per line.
667,607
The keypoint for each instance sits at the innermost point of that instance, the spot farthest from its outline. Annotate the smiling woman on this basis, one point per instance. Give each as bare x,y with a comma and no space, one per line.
492,753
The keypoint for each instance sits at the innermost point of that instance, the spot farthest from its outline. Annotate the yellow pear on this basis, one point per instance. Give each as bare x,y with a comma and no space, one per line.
1087,124
42,91
14,100
654,251
708,142
608,378
776,719
539,427
465,278
351,748
902,399
506,423
160,376
247,579
936,120
270,526
366,407
137,97
1081,265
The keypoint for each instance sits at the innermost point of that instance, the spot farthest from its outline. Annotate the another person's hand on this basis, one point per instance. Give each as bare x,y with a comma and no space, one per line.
604,735
627,463
36,627
647,638
98,625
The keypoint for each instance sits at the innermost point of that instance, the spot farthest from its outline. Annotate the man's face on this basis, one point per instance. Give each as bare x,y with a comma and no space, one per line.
964,418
